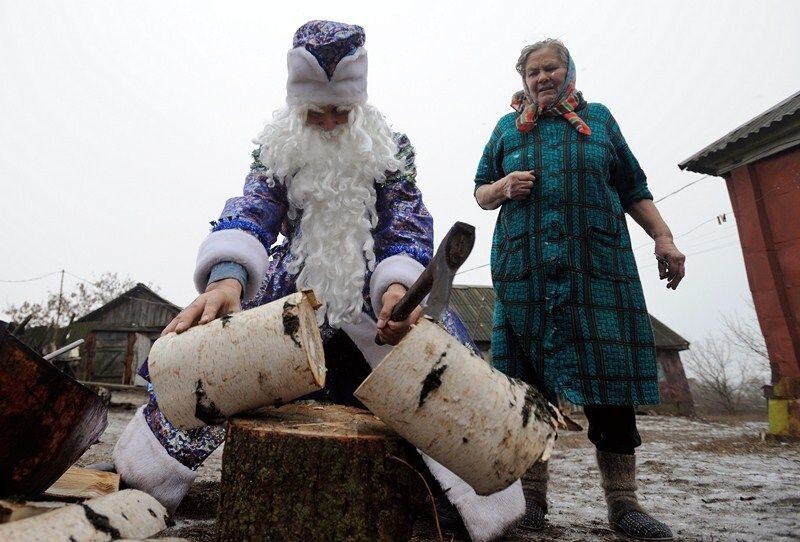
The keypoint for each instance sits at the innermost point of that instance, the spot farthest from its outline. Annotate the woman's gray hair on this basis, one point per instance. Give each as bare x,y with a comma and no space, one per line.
553,43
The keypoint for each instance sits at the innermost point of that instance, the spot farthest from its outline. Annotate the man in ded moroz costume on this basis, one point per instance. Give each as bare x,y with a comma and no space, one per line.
332,178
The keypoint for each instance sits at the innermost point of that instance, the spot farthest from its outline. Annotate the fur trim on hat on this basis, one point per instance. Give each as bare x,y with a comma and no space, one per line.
308,83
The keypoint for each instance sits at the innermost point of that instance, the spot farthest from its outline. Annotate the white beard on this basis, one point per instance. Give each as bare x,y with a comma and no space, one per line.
331,177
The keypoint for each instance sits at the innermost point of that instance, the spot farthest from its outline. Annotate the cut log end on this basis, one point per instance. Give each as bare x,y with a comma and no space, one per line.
310,337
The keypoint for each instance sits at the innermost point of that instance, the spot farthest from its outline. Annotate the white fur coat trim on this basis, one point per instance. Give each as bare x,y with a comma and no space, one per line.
142,463
400,268
486,518
232,246
308,83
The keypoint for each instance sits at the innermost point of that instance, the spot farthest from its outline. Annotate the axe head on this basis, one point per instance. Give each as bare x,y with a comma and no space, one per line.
451,254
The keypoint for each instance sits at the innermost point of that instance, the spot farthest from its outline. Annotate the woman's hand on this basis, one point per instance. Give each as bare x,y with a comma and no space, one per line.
220,298
517,185
389,331
670,261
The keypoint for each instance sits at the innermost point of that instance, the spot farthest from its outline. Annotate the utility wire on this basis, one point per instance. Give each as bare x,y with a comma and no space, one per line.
33,279
684,187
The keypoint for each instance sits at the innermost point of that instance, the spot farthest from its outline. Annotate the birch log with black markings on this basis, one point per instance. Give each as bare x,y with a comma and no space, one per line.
317,471
485,427
263,356
124,514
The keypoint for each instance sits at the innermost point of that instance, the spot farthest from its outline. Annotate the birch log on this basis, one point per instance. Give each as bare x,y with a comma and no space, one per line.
485,427
125,514
254,358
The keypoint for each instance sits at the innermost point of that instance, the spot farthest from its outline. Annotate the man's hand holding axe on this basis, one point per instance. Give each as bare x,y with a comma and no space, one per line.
401,308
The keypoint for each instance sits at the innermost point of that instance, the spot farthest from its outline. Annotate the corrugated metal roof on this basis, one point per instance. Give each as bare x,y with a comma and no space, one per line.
757,132
475,305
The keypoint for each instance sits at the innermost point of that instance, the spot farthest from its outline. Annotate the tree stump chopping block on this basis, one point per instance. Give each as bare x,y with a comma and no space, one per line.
317,471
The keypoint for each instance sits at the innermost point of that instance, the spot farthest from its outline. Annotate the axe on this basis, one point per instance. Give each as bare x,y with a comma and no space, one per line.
437,278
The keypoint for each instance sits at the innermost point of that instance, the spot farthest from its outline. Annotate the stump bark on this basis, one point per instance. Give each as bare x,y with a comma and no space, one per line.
316,471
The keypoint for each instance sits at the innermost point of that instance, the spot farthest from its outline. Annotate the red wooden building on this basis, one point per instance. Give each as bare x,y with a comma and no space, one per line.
760,162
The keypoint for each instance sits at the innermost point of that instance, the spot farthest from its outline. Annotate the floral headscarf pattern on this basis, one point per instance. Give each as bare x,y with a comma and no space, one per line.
566,102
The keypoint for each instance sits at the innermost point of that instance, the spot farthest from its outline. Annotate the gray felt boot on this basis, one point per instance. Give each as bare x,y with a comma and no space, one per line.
618,473
534,487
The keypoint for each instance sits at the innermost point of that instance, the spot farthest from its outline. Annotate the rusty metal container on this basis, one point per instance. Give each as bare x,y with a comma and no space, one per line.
47,419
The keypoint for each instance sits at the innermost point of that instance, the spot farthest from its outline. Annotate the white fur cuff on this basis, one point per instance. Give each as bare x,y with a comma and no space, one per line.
400,268
308,83
486,518
232,246
144,464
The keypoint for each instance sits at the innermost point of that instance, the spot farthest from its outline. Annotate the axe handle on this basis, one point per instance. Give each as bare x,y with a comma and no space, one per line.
412,298
452,251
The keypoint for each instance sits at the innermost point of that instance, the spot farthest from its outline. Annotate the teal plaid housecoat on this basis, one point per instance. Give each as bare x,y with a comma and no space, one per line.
570,315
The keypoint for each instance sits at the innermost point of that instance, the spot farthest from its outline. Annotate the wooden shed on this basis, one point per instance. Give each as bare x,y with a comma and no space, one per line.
475,305
760,162
119,335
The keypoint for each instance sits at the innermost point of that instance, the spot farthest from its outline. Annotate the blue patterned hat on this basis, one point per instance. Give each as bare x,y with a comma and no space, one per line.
327,65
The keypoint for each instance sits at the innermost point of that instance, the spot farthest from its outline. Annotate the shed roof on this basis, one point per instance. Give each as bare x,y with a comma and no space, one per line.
475,305
140,291
772,131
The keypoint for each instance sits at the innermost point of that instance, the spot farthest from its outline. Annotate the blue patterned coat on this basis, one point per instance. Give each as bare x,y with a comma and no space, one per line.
404,227
570,315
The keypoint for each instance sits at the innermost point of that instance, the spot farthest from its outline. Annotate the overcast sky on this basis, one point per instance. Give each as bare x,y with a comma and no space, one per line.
124,126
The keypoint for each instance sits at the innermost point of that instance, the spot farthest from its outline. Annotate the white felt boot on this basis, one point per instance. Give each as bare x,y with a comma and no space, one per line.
486,518
144,464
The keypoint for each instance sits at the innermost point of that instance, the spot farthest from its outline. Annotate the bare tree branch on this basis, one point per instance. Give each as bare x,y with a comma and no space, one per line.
75,303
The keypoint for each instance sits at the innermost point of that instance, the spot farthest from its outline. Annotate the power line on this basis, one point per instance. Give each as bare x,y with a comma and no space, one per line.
33,279
473,269
82,279
727,245
684,187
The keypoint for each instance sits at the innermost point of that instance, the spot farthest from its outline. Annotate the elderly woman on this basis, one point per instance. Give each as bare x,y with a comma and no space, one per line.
570,316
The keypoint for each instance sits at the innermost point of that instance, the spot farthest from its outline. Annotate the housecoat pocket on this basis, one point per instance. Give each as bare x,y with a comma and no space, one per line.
606,254
512,259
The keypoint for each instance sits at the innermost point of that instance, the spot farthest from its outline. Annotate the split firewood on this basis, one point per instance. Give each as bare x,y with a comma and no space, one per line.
317,472
79,483
125,514
485,427
16,510
263,356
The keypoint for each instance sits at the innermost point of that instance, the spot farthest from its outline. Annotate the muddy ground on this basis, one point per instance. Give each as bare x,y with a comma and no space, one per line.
709,479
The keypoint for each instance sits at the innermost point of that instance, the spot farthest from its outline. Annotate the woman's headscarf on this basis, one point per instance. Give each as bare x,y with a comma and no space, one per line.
566,102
